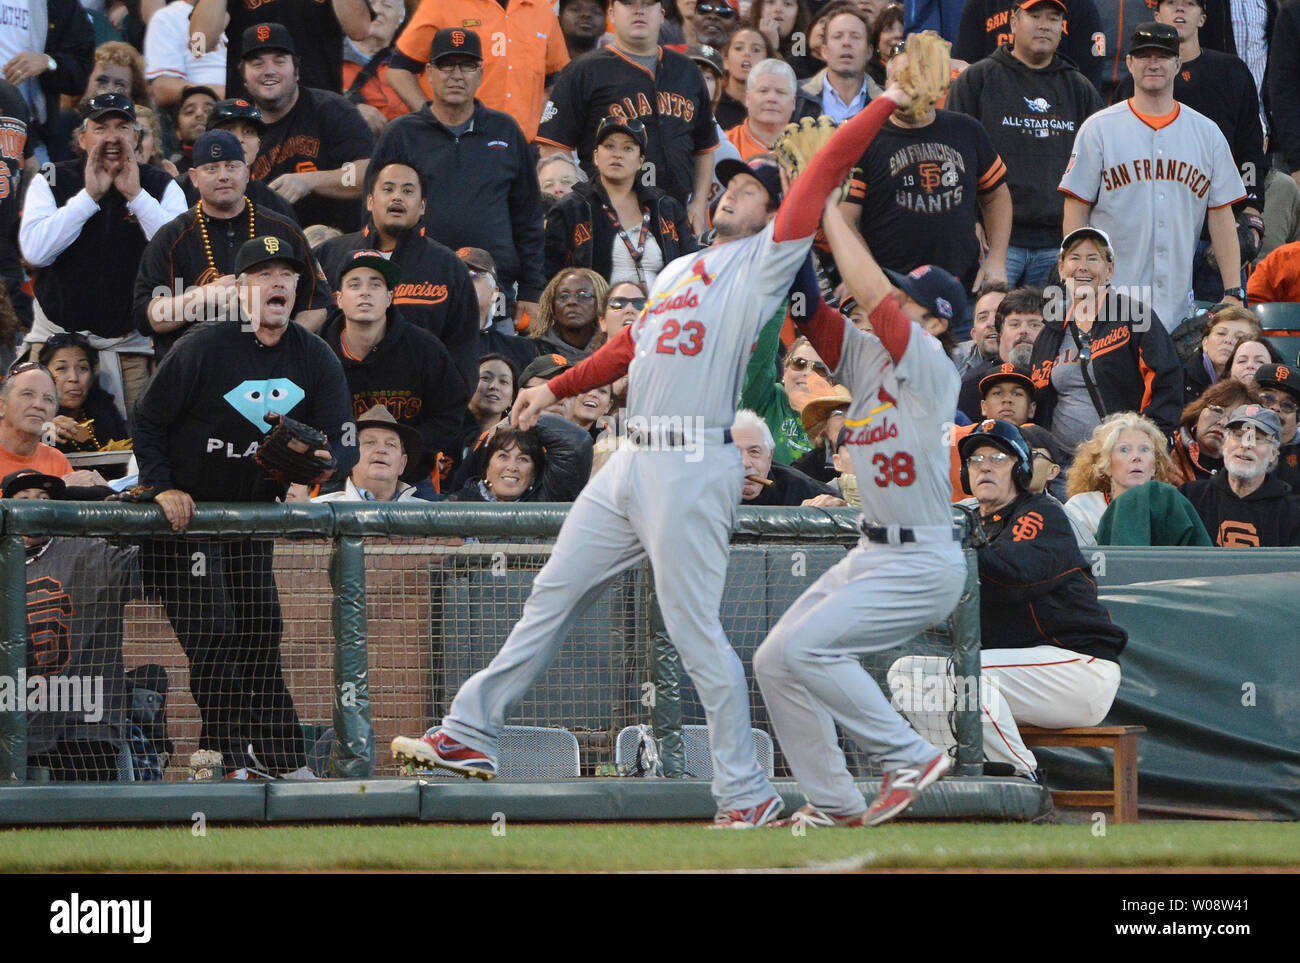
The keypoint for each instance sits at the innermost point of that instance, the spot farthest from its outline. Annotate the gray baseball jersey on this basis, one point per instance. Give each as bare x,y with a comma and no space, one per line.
701,323
1150,181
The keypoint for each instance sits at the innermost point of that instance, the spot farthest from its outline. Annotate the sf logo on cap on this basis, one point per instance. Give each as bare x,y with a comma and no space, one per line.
263,32
241,103
458,38
1282,372
987,424
272,245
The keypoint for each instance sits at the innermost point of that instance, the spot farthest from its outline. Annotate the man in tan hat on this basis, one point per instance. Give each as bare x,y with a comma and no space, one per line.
823,417
384,446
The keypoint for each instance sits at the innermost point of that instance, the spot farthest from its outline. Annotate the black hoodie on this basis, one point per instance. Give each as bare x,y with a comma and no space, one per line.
1031,117
986,24
1269,517
411,374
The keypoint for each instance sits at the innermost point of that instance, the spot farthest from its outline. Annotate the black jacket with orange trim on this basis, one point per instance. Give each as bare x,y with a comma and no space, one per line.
1036,588
435,291
1134,365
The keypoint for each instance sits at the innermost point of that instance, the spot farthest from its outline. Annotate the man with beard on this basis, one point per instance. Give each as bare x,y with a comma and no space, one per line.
1016,322
317,145
390,363
1244,505
435,292
583,23
983,344
84,229
716,21
186,274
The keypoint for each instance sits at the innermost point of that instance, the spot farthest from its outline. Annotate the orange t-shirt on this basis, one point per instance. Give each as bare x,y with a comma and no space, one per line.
521,46
745,142
47,460
1277,277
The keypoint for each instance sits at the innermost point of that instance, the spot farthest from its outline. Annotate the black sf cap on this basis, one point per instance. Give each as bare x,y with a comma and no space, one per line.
236,108
455,42
259,250
613,124
1154,36
266,36
103,104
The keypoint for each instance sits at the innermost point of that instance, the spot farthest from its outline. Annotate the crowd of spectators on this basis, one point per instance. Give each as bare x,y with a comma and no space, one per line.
453,198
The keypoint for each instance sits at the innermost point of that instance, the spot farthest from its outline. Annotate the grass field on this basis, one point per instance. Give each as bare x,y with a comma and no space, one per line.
606,846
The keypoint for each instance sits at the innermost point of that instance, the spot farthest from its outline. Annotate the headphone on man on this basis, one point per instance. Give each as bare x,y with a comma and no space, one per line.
1003,435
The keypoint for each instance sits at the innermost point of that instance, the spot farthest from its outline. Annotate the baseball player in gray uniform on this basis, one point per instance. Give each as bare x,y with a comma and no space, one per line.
906,573
1145,171
671,490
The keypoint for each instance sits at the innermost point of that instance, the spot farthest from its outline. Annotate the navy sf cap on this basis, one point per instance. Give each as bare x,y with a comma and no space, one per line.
259,250
934,289
236,108
1008,373
1257,417
266,36
706,56
24,478
765,172
372,259
217,145
613,124
455,42
1154,36
102,104
544,366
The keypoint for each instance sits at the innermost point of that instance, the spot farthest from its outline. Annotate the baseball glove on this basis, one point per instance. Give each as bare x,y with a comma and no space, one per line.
288,452
926,73
137,493
798,142
1250,231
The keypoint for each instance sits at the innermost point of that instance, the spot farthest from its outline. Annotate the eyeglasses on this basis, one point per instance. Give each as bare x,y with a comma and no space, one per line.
1217,412
618,303
478,275
1284,405
1043,453
717,9
564,297
897,48
21,367
998,458
1249,436
803,364
464,66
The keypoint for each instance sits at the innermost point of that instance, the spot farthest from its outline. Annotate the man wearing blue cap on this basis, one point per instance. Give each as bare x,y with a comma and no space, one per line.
186,274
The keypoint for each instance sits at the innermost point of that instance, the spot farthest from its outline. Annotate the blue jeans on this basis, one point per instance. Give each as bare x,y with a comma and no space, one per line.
1030,265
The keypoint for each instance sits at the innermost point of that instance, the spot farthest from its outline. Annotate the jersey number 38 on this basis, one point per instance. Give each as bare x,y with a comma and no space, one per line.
691,343
893,470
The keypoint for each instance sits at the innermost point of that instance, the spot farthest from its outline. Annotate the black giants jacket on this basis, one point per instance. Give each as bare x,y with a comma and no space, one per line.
200,420
1036,588
1268,517
579,232
1031,117
435,291
412,375
1134,365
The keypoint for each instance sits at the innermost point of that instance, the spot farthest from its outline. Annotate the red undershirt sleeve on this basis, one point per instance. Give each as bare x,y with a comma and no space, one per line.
892,327
604,367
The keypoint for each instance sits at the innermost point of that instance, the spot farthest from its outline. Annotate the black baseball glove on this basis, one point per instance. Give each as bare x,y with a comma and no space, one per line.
1250,232
288,452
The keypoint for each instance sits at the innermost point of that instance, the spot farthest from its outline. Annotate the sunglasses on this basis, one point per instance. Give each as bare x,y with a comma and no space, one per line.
897,48
997,458
1045,454
1284,405
716,9
618,303
19,367
68,339
803,364
564,297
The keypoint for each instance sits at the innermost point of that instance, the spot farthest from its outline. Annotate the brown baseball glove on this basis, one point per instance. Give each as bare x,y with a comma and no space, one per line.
798,142
926,73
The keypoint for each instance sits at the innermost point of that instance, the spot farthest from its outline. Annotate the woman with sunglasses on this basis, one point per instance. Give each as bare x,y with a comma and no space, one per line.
804,376
617,225
568,314
87,419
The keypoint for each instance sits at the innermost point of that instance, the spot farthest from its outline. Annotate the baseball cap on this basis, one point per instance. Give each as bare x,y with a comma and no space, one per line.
544,366
1086,233
934,289
1037,436
1005,373
999,434
1154,36
372,259
266,36
24,478
189,92
613,124
379,416
1030,4
766,173
217,145
1257,417
102,104
816,411
478,259
1278,376
455,41
707,56
259,250
236,108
